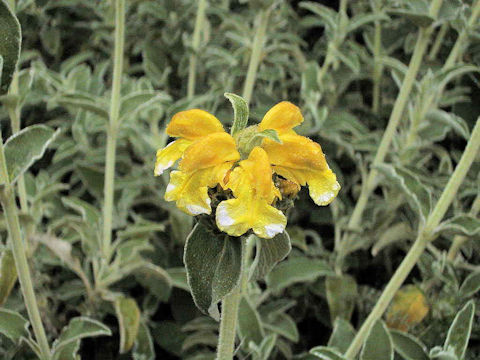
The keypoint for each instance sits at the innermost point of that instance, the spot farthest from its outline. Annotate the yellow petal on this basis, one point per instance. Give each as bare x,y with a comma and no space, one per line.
282,117
190,190
209,151
301,160
167,156
252,185
237,216
254,176
193,124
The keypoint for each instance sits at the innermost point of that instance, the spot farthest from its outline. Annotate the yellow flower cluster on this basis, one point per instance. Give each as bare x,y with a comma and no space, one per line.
211,157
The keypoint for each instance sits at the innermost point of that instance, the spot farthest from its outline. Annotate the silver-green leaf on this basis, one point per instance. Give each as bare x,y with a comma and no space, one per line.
25,147
378,344
460,330
408,346
240,112
10,44
213,266
269,252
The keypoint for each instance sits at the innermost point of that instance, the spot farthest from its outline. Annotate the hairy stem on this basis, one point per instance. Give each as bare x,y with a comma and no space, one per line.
425,235
434,96
230,303
395,117
377,67
228,325
113,126
19,253
261,24
195,47
438,42
14,114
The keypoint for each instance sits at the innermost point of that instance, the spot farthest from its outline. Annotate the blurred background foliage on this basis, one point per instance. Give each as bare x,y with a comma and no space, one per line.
312,56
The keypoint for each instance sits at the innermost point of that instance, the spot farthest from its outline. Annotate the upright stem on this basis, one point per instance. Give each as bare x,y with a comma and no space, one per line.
395,117
261,23
329,57
377,67
113,126
14,114
433,96
228,325
459,46
424,236
195,47
228,322
438,42
18,249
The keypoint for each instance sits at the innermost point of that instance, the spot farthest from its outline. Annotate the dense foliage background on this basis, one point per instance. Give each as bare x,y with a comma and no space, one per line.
65,81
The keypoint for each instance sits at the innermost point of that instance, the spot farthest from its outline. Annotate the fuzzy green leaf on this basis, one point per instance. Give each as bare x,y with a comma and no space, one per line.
417,194
341,296
325,353
342,335
269,252
471,285
464,224
78,328
78,101
408,346
282,324
10,43
378,344
25,147
128,315
459,332
213,266
299,269
421,20
240,112
8,274
249,324
156,279
13,325
143,348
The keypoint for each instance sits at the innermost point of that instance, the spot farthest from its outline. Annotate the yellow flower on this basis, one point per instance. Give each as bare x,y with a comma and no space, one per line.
208,154
209,157
254,191
298,158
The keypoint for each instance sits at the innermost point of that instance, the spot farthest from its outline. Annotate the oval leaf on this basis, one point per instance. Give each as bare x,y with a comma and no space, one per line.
296,270
10,43
249,324
8,275
471,285
13,325
341,296
378,344
464,224
79,328
25,147
342,335
213,266
269,253
143,349
128,315
408,346
325,353
459,332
